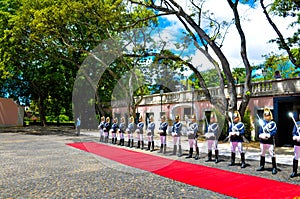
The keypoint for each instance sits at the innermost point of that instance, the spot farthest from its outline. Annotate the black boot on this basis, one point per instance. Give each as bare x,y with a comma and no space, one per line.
161,148
128,143
112,140
197,154
165,149
179,151
131,144
142,143
209,156
138,145
295,167
115,141
152,147
262,164
174,150
149,145
243,165
190,153
216,156
274,167
232,163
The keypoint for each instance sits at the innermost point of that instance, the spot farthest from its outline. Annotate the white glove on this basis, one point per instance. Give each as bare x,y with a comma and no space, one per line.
174,134
263,136
268,135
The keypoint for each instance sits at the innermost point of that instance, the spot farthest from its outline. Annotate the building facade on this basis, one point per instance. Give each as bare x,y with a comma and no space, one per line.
281,96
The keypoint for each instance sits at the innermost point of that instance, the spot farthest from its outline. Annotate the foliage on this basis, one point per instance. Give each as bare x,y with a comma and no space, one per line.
248,124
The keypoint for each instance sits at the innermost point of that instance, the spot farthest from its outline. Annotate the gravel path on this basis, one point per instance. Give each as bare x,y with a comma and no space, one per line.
43,166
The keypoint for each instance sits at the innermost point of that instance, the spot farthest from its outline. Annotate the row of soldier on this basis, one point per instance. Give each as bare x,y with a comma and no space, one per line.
236,133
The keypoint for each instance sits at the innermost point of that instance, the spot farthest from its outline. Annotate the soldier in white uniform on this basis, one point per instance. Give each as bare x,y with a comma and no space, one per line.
121,131
212,137
266,134
296,139
140,132
114,128
163,134
101,127
106,129
176,134
129,132
236,133
192,133
150,134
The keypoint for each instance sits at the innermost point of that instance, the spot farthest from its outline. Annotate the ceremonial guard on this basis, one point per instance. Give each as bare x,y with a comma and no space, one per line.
114,128
266,134
192,133
211,136
176,134
163,134
129,132
140,132
150,134
101,127
236,133
296,139
121,131
106,129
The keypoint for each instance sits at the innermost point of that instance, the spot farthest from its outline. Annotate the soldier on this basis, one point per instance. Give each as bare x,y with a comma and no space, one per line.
106,129
236,132
101,127
140,131
150,134
296,138
129,132
266,134
163,135
192,133
176,134
212,137
121,131
114,128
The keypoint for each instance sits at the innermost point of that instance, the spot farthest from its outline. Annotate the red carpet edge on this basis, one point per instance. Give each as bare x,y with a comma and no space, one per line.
213,179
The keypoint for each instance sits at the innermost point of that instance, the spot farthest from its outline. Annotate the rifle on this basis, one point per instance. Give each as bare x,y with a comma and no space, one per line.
292,116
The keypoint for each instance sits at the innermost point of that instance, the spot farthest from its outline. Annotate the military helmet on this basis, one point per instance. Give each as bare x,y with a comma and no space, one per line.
236,114
267,112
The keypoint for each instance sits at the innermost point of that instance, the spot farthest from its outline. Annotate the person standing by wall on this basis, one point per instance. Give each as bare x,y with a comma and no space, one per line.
163,134
78,124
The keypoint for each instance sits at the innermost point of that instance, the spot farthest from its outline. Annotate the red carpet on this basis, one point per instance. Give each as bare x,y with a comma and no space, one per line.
225,182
